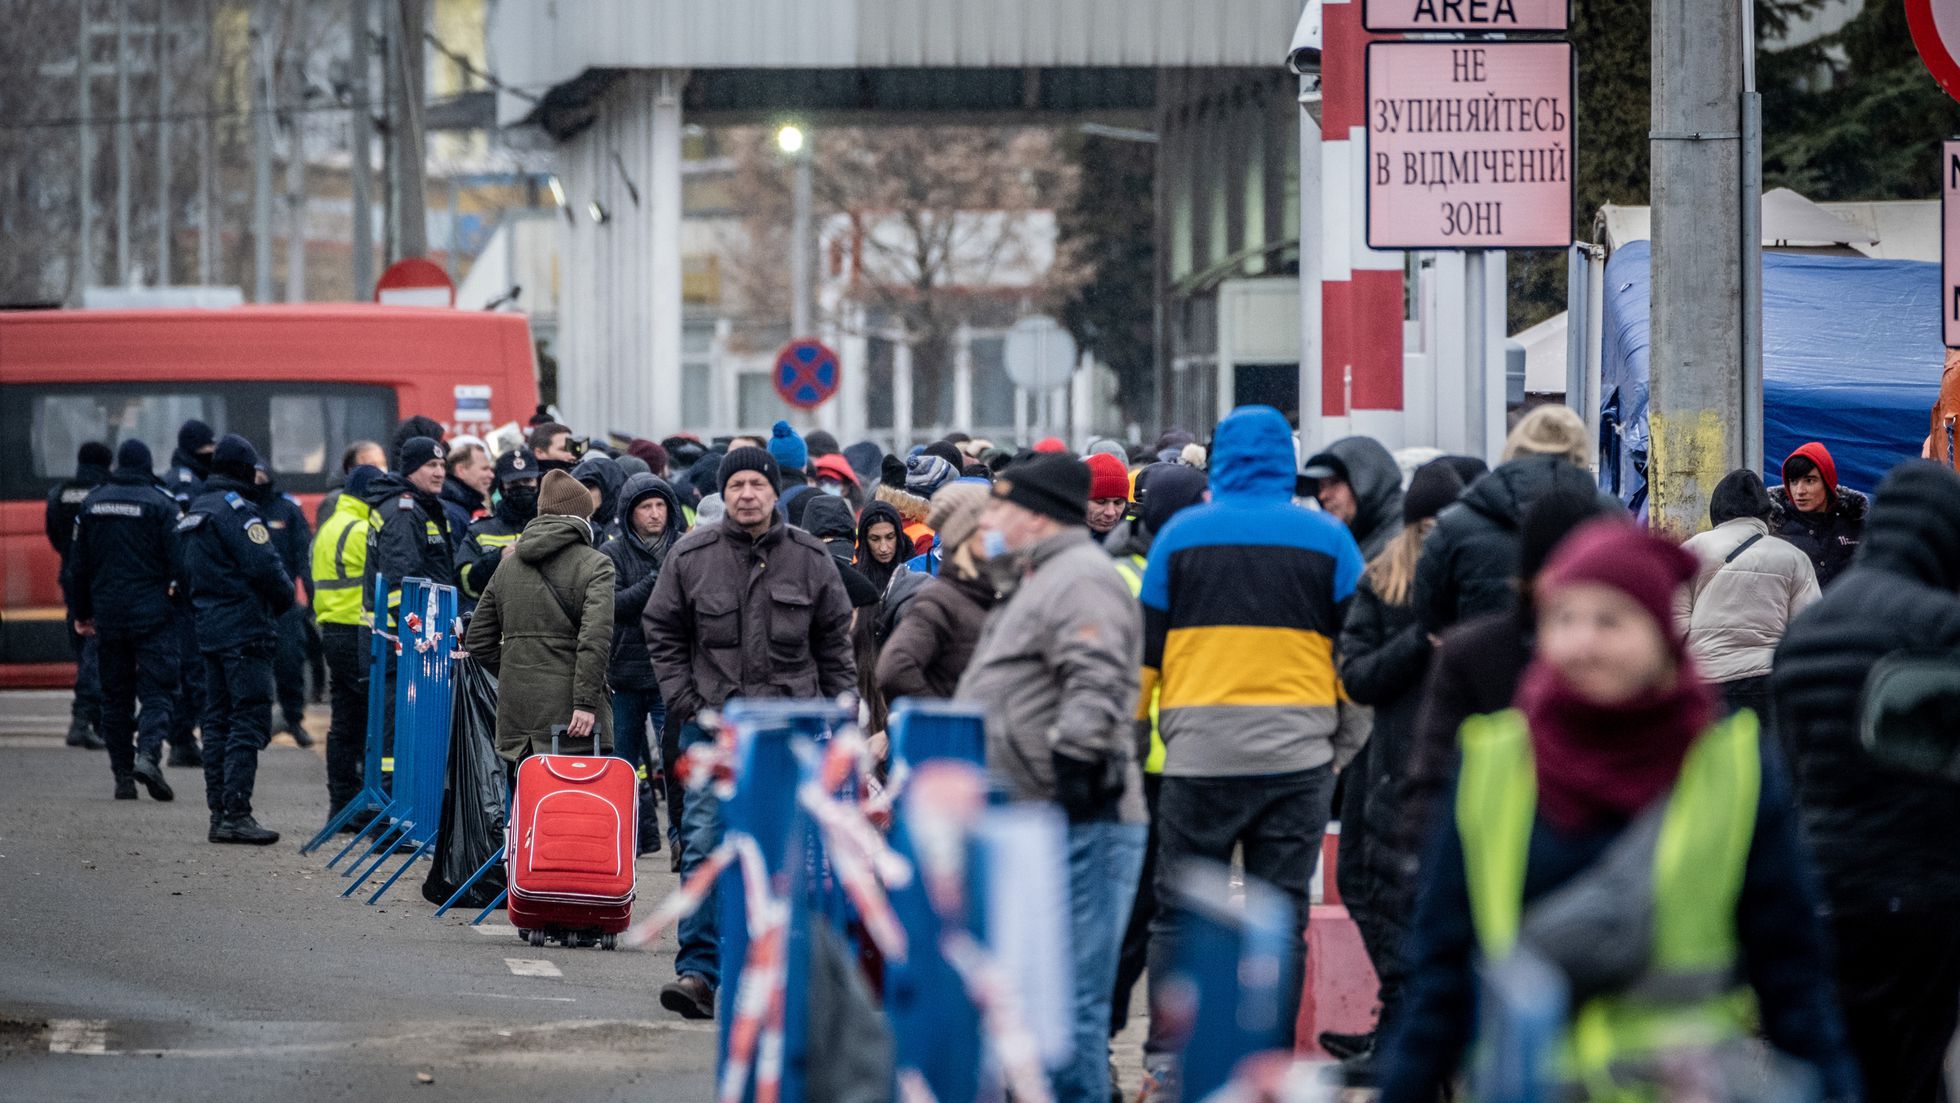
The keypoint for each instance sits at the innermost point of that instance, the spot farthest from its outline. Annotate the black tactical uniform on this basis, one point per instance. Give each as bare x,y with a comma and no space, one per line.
122,568
294,541
64,505
484,544
239,588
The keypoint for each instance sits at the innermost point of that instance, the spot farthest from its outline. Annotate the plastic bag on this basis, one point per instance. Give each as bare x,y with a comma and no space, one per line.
475,796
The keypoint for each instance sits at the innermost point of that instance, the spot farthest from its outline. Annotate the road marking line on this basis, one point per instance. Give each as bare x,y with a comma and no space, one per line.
532,967
78,1036
502,996
495,930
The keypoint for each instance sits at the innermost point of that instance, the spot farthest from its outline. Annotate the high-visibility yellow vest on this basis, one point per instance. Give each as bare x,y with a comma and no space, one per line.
1131,567
1691,996
340,560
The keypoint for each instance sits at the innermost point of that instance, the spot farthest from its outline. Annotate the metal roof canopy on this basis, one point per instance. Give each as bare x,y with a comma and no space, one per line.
756,58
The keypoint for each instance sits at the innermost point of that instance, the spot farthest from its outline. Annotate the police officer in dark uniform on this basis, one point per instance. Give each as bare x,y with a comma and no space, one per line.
239,588
190,465
64,505
488,538
410,539
294,541
122,569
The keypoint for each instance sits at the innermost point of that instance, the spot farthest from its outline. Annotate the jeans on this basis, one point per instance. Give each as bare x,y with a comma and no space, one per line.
1104,859
136,666
346,647
1276,819
237,725
1747,693
1898,980
289,665
701,829
633,710
1136,934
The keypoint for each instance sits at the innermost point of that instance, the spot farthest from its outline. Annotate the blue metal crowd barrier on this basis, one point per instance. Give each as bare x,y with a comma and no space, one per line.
935,1027
1234,962
373,797
423,700
764,806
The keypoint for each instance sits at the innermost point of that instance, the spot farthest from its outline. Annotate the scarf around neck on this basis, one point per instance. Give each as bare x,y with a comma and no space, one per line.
1598,766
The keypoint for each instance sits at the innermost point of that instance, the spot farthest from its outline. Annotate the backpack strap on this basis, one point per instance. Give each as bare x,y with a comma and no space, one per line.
1742,547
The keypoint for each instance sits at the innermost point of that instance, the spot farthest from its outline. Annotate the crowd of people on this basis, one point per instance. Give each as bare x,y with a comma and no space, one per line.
1540,726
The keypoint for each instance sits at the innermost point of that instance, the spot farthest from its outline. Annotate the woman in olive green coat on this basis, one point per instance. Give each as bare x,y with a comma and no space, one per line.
544,627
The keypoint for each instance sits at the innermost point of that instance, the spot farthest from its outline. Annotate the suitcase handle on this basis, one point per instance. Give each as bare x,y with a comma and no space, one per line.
560,729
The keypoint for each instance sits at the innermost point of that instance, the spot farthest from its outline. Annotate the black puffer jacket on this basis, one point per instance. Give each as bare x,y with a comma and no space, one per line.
1830,538
636,570
1376,480
1469,562
1884,839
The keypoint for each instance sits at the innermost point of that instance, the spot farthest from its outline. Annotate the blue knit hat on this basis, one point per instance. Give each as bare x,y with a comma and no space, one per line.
788,448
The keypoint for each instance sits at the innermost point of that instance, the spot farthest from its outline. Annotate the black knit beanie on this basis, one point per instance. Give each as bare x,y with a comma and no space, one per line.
134,455
748,458
1434,485
1053,484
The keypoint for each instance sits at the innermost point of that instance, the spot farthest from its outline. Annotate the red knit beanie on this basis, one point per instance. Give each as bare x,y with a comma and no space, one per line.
1817,454
1619,554
1050,444
1108,478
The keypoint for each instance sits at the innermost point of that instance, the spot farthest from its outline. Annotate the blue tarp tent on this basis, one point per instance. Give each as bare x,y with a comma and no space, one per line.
1852,357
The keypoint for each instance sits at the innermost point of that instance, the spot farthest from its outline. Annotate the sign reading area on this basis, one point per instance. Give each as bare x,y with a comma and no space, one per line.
1471,16
1469,145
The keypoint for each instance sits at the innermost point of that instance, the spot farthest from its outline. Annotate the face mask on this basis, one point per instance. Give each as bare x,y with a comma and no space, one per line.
994,543
523,501
835,490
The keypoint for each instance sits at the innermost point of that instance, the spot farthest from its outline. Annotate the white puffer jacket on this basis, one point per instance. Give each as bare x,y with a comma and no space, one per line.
1735,610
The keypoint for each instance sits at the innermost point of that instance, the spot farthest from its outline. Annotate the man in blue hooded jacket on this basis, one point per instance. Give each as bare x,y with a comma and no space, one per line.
1250,747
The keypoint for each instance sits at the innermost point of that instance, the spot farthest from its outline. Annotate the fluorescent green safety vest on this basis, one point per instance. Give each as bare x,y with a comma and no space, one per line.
340,560
1131,567
1691,996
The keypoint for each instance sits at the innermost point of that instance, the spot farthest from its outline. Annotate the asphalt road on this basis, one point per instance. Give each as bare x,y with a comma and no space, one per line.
143,963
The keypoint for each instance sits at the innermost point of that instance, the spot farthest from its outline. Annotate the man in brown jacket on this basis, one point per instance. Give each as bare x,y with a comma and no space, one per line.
745,607
544,627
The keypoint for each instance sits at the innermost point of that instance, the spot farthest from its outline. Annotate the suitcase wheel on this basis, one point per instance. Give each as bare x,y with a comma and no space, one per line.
609,942
537,938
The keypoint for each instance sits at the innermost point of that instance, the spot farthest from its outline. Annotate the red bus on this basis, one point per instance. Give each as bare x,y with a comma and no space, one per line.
301,382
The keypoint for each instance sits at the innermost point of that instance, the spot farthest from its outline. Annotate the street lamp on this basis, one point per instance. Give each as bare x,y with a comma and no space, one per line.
790,138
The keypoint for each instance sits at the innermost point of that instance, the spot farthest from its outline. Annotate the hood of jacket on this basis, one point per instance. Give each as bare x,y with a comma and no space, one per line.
601,469
1252,456
1914,527
388,486
1505,493
353,507
1127,539
827,516
638,489
1376,480
549,535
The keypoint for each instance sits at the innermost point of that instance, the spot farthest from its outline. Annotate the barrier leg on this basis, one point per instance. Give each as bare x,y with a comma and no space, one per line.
368,801
372,867
495,860
397,875
485,913
378,823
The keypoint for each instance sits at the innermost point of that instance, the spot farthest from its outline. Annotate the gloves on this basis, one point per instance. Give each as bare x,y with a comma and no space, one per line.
1088,790
892,472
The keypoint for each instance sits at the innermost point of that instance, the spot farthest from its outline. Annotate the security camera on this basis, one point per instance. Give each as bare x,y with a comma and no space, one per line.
1303,57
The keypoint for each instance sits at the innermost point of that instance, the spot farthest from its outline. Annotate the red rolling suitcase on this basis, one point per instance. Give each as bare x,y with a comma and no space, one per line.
570,846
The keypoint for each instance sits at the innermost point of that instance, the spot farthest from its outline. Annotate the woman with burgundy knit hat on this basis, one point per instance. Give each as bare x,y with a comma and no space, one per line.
1612,828
1826,521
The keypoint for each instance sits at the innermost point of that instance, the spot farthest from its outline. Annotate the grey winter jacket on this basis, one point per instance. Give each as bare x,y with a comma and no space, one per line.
1058,667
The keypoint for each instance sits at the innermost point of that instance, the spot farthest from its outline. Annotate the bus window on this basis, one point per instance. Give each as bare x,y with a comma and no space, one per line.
310,430
60,422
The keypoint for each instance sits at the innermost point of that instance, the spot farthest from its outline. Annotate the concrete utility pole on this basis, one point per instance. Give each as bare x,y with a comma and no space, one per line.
125,144
84,76
163,143
261,78
361,141
1696,403
295,86
207,242
408,233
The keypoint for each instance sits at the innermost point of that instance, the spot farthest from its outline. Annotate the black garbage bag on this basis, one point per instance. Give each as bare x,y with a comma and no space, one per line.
475,797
